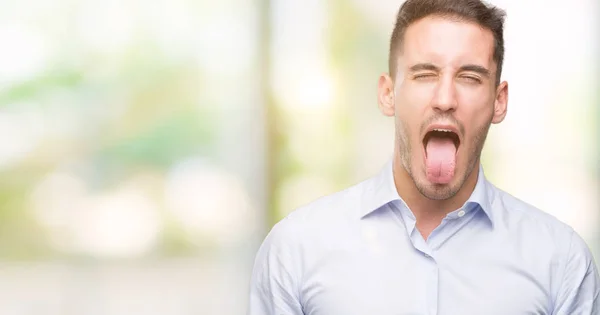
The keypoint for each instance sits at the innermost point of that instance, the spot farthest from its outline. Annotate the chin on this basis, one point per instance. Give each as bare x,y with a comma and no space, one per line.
437,191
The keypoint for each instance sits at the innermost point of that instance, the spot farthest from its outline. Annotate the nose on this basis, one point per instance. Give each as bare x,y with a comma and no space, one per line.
444,98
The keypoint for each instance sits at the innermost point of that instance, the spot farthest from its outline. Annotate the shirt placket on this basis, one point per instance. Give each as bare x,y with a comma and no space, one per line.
429,265
430,271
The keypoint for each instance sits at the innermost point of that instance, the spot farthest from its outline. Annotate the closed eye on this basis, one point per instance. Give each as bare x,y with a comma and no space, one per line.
424,76
471,79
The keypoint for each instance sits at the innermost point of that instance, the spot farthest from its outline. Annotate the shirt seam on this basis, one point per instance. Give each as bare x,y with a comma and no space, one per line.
299,275
564,271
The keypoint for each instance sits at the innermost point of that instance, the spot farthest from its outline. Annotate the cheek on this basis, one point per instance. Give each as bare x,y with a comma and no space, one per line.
476,109
475,96
417,97
408,120
412,105
476,123
476,120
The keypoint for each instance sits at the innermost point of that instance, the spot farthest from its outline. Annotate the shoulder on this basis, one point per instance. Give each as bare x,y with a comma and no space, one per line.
538,228
307,223
339,206
547,241
293,238
516,213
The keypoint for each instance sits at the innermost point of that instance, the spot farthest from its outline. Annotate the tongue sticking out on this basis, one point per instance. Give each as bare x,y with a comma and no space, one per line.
440,160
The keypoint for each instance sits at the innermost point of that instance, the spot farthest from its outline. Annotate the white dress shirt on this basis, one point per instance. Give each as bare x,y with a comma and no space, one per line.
358,252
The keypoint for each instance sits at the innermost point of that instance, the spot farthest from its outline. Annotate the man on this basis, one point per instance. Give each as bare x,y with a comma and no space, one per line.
429,234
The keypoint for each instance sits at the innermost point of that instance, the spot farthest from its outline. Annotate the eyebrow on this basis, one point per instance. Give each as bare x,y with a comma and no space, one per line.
469,67
477,69
424,66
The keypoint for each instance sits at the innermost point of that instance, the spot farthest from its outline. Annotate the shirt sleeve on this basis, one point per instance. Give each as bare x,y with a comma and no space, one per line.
580,288
274,282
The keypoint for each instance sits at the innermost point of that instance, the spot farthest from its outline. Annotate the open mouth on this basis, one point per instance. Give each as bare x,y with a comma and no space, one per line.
441,134
441,147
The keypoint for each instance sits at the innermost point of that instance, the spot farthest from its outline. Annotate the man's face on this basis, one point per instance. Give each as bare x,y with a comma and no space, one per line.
444,98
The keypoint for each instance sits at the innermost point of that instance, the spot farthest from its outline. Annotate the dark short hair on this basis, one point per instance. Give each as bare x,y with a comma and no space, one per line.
476,11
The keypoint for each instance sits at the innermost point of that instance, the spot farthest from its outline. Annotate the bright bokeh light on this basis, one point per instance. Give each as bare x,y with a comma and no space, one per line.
124,223
208,202
120,223
25,52
311,91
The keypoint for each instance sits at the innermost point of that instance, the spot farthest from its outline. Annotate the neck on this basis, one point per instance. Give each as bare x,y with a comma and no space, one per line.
429,213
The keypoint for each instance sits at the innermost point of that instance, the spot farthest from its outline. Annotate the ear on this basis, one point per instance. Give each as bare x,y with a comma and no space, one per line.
385,95
501,103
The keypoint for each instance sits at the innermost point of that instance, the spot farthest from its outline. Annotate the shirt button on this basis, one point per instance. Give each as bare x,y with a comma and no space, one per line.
461,213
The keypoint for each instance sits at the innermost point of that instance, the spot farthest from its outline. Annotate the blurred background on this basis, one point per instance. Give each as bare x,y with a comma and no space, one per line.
147,147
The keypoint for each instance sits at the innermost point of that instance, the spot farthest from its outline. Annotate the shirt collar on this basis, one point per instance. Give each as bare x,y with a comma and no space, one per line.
381,190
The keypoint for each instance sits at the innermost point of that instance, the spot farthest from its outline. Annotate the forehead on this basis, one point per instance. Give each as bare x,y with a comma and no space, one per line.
447,42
